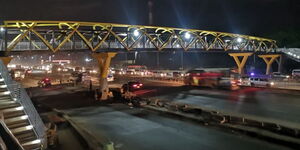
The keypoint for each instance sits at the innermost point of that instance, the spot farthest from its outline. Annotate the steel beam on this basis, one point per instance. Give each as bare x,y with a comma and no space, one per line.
161,38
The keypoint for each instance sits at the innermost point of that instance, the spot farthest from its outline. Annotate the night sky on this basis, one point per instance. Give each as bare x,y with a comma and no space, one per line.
254,17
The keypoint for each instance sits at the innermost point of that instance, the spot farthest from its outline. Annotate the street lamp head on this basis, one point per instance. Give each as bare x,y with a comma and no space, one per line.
136,33
87,59
239,39
187,35
2,29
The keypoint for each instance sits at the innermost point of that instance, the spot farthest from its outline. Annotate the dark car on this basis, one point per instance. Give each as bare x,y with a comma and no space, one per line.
132,86
45,82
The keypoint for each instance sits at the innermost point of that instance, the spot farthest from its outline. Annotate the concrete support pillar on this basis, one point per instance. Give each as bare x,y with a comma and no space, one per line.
240,64
5,60
280,63
104,60
269,59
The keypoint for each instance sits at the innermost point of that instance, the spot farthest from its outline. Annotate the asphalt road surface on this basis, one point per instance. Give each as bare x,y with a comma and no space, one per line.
135,128
281,105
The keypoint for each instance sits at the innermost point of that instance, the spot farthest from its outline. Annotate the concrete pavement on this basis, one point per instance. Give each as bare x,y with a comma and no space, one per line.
136,129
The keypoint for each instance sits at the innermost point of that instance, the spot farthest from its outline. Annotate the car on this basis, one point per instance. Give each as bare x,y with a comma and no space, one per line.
255,81
110,78
45,82
132,86
86,77
278,75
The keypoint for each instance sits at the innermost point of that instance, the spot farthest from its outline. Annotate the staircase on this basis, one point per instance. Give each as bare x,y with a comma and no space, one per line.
292,53
20,115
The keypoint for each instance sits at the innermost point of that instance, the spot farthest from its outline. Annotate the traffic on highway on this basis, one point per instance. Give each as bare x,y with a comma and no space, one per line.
211,101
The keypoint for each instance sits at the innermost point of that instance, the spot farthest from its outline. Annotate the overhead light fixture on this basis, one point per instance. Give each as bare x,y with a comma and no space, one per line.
2,29
187,35
136,33
239,40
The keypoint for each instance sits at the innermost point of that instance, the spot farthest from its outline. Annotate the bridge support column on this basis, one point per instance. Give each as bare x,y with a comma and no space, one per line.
240,64
269,59
104,60
5,58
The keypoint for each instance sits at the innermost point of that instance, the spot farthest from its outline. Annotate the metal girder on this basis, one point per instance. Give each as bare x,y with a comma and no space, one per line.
239,63
121,34
269,59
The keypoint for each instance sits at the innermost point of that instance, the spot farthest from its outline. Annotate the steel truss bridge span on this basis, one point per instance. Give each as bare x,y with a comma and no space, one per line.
70,35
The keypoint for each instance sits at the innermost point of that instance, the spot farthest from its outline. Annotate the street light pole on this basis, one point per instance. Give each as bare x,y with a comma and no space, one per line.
181,60
157,59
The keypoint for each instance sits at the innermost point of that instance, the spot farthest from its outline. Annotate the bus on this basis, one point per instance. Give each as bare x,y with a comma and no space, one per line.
136,70
214,78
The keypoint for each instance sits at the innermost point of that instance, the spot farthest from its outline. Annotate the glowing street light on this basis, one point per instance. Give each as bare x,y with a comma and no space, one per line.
239,40
136,33
88,60
187,35
2,29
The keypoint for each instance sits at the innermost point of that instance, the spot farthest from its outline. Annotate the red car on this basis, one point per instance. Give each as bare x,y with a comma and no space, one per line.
132,86
45,82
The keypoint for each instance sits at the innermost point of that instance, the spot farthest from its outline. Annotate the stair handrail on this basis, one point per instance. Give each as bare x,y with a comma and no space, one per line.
20,95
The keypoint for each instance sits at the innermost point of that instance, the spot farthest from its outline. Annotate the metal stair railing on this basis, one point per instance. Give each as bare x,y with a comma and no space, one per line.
20,95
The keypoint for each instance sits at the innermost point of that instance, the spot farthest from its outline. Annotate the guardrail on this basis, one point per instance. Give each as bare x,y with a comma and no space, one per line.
20,95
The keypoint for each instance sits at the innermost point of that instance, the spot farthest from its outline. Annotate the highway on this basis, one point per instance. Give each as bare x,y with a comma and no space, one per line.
136,128
283,105
273,104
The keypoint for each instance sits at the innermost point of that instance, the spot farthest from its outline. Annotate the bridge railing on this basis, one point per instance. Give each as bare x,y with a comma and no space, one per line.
57,35
79,45
20,95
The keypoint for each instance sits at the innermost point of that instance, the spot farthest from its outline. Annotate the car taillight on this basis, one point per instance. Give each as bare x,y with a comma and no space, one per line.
141,84
134,85
232,82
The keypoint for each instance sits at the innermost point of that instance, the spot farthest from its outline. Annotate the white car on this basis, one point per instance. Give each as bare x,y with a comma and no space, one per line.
110,78
265,82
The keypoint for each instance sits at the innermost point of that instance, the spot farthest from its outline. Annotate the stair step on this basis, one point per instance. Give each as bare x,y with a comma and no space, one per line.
21,130
5,97
18,124
4,93
13,114
3,89
15,120
10,110
9,104
6,100
24,135
27,138
32,146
